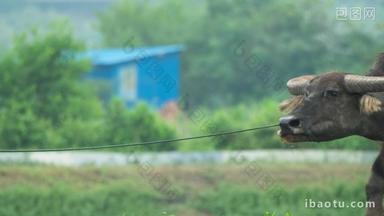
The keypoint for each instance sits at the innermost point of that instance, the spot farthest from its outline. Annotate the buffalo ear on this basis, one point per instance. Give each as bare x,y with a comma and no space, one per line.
291,104
370,104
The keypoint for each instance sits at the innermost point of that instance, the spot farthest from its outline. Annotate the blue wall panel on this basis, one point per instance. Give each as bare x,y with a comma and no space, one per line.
157,77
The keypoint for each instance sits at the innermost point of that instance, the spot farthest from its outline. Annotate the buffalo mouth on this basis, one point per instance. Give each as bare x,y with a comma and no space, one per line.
318,132
291,137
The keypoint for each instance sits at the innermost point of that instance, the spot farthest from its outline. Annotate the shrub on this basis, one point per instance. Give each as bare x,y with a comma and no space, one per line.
138,124
247,116
20,127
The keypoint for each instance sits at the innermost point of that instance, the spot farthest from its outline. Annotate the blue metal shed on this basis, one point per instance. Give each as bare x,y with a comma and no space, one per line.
148,74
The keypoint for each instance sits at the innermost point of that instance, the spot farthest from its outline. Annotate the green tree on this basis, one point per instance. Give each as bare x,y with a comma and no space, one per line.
243,51
40,88
148,23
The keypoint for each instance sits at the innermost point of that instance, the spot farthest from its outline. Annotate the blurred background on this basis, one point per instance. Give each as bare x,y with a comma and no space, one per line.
85,73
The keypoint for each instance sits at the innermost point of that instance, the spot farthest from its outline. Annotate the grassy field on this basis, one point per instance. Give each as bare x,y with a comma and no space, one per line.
247,188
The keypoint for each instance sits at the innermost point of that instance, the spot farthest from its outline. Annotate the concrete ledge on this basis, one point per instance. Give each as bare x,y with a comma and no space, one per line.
176,158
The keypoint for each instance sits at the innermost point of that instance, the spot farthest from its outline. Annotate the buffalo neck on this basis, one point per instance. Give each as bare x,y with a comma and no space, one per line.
372,127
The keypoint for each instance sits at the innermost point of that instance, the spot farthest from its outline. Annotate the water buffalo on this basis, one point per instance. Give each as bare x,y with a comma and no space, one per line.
334,105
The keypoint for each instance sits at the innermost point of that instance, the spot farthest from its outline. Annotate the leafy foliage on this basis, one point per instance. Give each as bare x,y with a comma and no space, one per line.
247,50
136,125
45,102
40,87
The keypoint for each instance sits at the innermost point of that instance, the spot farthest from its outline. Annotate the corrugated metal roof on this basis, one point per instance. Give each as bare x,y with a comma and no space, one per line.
121,55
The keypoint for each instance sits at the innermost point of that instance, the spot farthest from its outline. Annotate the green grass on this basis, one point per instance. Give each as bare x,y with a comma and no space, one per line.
198,190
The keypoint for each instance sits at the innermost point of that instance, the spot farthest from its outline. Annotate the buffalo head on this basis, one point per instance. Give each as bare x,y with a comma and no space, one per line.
331,106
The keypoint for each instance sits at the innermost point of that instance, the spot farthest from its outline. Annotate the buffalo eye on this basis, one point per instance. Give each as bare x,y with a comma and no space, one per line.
331,93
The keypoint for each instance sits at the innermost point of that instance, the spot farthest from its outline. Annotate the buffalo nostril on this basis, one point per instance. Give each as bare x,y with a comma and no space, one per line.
294,123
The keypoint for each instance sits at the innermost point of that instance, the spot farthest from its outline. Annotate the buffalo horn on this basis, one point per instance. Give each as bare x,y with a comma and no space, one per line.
363,84
297,85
